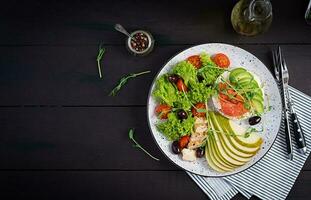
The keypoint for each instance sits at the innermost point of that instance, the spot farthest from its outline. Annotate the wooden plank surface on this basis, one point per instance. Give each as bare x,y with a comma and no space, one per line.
113,185
78,138
68,75
62,137
174,22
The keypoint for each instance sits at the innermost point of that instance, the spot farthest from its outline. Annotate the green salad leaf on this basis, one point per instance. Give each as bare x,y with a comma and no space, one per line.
182,102
200,92
206,60
164,91
186,71
173,128
209,70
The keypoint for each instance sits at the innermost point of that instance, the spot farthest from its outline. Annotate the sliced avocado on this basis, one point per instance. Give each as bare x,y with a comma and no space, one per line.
236,71
258,106
245,81
259,92
250,84
241,76
258,97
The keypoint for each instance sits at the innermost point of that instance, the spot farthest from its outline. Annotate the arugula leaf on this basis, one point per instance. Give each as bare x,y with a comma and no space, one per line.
101,51
124,80
137,145
209,70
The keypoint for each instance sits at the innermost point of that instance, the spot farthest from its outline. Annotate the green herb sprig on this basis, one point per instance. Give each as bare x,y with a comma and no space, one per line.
136,145
101,51
124,80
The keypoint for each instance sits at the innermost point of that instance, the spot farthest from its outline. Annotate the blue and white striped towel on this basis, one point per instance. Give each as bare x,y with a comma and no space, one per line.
274,175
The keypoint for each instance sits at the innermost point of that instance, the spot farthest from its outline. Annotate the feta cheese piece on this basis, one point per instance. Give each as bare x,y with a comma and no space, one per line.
188,155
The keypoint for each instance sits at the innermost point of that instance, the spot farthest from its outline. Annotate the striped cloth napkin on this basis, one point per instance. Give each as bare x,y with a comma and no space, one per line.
274,175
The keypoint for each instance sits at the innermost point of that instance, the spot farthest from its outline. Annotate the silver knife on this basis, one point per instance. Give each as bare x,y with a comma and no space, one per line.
284,87
297,130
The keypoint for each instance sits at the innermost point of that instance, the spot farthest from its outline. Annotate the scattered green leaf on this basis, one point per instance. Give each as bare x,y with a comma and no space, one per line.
101,51
124,80
137,145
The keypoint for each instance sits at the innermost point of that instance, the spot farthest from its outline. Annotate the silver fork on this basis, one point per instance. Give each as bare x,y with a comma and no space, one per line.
298,133
278,72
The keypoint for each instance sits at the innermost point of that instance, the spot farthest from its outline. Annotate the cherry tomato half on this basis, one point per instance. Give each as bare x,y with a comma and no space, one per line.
195,111
181,86
195,61
183,141
221,60
163,110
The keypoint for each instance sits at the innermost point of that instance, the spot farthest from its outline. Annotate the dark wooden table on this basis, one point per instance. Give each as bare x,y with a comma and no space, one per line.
63,137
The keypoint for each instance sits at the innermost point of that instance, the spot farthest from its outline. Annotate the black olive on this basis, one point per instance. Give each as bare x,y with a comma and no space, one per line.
181,114
254,120
200,78
173,78
175,147
199,152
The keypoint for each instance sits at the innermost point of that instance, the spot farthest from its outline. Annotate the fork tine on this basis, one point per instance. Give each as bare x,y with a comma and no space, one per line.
275,65
281,58
276,71
284,64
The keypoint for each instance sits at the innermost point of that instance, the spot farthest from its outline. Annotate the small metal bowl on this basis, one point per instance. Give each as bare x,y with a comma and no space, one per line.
144,52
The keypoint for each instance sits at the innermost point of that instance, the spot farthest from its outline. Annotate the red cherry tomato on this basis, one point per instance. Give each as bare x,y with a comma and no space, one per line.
195,61
163,110
221,60
181,86
195,111
183,141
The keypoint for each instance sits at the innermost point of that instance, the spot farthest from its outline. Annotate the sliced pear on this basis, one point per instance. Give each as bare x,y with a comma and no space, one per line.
215,157
224,156
230,150
230,146
233,140
254,140
211,162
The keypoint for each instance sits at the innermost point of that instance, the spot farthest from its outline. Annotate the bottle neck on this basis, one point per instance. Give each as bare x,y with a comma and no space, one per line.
258,10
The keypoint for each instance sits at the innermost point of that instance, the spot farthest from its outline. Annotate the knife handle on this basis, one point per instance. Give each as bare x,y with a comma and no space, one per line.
298,133
288,138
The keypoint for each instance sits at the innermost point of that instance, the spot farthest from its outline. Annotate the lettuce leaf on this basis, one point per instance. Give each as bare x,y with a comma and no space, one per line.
200,92
186,71
164,91
183,102
173,128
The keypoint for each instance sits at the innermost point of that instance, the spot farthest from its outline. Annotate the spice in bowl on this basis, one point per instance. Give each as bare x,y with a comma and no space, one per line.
140,43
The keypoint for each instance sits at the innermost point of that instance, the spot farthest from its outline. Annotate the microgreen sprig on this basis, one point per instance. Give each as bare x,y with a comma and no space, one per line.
210,66
136,145
101,51
124,80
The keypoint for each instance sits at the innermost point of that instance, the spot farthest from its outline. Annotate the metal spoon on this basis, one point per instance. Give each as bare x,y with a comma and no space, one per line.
121,29
308,13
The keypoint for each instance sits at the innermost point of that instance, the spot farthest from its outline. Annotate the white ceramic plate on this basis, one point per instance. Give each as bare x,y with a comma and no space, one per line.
271,119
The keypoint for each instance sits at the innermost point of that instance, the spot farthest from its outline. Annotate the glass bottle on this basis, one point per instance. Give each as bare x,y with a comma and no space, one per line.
308,14
251,17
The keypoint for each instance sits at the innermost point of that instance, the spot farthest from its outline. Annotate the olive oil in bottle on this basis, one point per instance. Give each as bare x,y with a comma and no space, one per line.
251,17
